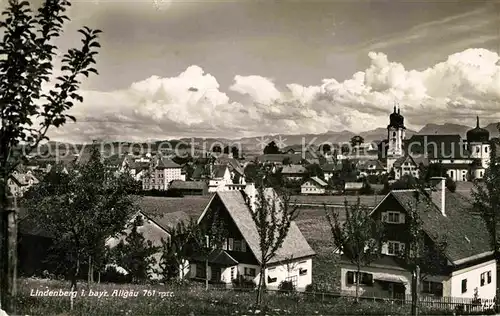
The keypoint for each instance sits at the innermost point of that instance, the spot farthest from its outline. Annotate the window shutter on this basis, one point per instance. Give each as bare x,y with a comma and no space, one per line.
402,218
385,248
350,277
230,244
383,216
401,248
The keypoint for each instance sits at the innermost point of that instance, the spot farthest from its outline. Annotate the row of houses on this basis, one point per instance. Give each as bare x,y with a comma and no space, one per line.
467,263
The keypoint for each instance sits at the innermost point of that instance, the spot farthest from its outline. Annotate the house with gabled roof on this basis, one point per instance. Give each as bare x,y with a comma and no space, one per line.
20,181
240,254
463,260
293,172
155,227
371,167
313,185
405,165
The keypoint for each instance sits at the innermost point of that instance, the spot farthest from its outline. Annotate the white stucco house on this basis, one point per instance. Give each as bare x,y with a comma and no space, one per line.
313,185
463,264
240,254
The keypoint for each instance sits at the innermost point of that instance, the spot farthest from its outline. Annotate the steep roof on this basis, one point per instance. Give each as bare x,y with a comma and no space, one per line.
165,163
294,245
319,181
233,163
192,205
219,171
278,158
370,163
400,161
168,220
465,234
437,146
293,169
331,167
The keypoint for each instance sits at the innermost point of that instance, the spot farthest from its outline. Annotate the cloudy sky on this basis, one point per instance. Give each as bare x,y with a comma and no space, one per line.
234,68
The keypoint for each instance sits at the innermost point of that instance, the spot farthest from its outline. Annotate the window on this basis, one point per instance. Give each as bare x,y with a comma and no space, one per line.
477,149
485,149
201,272
464,285
434,288
483,278
366,278
271,280
250,272
395,248
393,217
233,273
237,245
302,271
488,275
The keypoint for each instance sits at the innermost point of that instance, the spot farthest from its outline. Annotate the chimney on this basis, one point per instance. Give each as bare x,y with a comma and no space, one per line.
251,193
440,194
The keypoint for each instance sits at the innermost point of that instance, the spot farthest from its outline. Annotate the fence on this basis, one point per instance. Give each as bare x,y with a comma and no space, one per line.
458,304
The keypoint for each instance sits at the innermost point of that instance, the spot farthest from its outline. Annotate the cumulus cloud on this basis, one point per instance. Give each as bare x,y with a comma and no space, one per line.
193,103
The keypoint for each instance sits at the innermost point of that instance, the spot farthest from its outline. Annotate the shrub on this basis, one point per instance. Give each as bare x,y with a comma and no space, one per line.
241,283
451,185
313,287
286,287
111,274
174,193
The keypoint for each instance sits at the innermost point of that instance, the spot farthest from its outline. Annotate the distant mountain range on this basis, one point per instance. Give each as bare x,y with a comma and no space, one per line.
254,144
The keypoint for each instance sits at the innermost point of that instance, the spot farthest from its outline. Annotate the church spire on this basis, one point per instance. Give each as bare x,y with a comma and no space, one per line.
477,121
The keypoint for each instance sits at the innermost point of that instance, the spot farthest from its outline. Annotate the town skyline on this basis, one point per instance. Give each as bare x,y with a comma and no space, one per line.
241,69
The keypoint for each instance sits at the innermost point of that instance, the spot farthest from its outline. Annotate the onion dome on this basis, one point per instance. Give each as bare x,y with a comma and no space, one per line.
478,134
396,120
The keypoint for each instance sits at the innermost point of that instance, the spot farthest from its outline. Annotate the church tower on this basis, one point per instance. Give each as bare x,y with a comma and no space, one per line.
478,143
395,137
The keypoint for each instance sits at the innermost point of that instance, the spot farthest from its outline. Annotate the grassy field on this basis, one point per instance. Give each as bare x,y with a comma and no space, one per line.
186,300
315,228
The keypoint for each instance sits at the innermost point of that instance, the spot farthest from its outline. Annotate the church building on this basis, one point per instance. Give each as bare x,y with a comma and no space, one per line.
464,159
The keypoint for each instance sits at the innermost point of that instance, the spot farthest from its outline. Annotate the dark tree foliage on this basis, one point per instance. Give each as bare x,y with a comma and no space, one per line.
271,148
486,197
28,107
217,149
273,214
82,209
135,253
325,148
359,237
184,242
314,170
236,152
356,140
433,170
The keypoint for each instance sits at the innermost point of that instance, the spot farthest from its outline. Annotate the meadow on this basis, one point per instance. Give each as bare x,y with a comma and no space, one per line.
189,299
